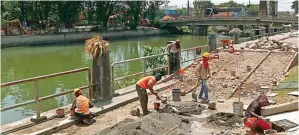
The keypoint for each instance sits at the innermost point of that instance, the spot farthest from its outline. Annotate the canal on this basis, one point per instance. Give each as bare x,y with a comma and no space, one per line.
30,61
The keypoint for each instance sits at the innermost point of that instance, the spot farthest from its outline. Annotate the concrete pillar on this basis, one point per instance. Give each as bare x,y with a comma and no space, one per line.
212,41
285,29
263,32
101,75
201,30
237,38
252,34
271,31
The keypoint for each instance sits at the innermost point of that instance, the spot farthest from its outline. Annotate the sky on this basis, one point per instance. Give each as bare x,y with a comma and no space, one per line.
283,5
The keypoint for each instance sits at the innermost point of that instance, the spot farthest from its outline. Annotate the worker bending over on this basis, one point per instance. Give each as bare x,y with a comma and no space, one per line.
253,118
174,50
202,71
80,107
147,82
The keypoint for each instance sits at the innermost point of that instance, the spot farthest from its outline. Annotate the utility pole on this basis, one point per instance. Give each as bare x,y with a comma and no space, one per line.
188,8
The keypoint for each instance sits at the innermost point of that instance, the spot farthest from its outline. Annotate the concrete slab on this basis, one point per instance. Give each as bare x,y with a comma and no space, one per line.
275,109
102,107
295,93
291,116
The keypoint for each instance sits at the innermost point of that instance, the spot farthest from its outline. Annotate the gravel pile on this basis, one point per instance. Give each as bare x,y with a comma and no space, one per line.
183,108
225,119
153,124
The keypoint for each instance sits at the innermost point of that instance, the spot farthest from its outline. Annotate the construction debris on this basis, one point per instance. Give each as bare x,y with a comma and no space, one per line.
224,119
212,105
135,112
184,108
156,123
271,44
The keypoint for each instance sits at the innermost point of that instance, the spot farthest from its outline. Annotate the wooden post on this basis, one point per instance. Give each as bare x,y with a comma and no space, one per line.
101,76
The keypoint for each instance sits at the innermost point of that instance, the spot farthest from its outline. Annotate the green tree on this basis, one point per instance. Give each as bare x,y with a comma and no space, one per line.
253,9
201,6
135,10
295,6
230,4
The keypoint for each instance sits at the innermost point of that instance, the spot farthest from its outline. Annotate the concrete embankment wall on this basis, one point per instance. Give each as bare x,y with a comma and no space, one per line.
11,41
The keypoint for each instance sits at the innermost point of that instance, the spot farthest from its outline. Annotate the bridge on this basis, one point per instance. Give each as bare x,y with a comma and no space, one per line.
200,25
216,21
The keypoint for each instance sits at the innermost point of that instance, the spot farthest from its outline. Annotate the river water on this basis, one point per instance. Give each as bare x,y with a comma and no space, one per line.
25,62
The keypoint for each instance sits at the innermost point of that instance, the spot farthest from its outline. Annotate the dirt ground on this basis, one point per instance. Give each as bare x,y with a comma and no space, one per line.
272,68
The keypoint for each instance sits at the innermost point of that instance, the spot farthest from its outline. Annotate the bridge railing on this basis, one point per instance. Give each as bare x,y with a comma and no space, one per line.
143,61
231,18
37,90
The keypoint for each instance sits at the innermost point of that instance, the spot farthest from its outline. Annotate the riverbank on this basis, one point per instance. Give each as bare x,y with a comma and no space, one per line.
14,41
84,129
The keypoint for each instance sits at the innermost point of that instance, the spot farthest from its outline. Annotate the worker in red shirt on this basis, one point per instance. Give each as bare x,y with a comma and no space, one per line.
147,82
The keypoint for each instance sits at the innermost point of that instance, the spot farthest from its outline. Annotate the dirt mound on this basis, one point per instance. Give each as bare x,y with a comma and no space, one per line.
183,108
225,119
155,123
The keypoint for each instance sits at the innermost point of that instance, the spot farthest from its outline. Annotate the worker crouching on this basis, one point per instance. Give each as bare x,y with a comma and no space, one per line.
147,82
80,108
253,118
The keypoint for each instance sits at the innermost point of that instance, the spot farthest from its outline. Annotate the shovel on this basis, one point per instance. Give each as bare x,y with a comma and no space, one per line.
194,96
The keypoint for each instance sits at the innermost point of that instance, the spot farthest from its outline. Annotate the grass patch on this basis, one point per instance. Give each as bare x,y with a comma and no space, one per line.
283,96
293,75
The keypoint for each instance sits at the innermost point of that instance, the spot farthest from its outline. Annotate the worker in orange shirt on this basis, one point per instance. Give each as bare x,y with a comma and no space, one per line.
80,107
147,82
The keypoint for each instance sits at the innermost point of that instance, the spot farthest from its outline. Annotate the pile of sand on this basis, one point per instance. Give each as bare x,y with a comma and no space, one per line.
155,123
224,119
184,108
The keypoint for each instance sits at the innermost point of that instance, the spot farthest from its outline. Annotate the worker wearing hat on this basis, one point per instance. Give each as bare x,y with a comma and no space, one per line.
202,71
80,107
147,82
174,50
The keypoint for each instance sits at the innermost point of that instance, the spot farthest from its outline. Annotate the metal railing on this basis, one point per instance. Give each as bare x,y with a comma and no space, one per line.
261,19
143,59
37,96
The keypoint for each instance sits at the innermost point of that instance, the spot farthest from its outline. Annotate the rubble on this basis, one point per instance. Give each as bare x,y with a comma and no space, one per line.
135,112
224,119
271,44
184,108
212,105
155,123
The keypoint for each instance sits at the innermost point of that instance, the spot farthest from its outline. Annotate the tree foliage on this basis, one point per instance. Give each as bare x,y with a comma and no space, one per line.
201,6
230,4
154,62
66,13
295,5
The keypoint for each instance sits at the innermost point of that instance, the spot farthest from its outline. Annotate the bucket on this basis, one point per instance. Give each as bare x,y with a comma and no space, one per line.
176,94
238,108
156,105
60,113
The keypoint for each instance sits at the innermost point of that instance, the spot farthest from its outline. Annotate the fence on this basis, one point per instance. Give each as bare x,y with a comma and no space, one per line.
113,79
37,97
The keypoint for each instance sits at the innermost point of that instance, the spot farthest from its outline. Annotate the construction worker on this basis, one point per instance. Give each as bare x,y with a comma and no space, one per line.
80,107
253,119
174,50
147,82
202,71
